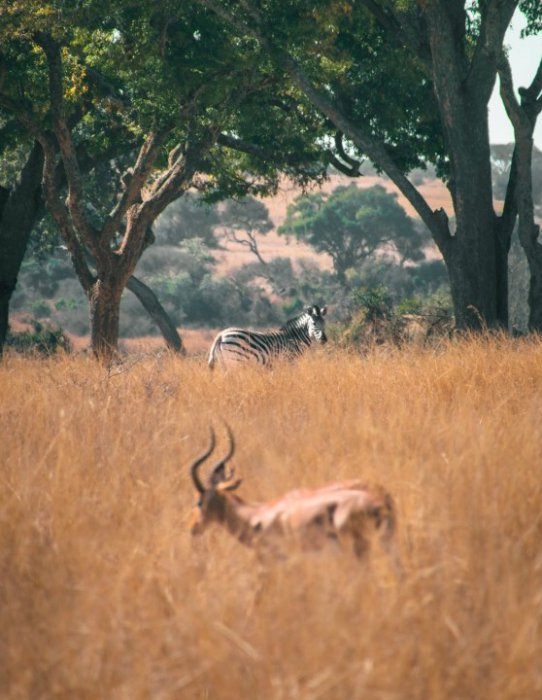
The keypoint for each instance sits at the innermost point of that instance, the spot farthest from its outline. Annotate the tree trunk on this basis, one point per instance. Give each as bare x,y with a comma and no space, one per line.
17,217
528,230
535,289
476,261
475,256
104,304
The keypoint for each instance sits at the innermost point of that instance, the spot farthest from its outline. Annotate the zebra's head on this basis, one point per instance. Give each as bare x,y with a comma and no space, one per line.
316,323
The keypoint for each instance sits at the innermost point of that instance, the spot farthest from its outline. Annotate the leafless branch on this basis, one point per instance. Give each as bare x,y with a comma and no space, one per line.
249,242
352,164
513,108
134,181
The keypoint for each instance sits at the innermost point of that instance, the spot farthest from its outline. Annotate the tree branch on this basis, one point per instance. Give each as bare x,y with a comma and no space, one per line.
352,164
51,190
401,26
60,214
134,180
516,114
375,149
496,16
65,142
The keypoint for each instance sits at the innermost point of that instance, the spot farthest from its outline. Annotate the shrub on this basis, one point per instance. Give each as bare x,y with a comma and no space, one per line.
376,302
43,339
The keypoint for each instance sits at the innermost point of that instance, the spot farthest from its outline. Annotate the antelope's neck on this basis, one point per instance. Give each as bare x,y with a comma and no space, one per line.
237,518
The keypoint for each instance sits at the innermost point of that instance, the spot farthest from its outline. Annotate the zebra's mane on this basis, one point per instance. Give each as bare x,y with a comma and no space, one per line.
293,322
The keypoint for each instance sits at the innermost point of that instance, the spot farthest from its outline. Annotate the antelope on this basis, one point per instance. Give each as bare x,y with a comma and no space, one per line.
344,511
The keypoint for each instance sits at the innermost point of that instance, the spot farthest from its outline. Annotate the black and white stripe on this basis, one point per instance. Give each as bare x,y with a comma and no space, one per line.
241,345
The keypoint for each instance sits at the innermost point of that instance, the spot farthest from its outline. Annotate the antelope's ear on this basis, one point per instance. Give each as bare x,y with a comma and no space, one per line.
229,485
218,476
323,311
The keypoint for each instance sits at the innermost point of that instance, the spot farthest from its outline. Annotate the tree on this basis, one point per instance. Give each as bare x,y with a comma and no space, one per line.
358,63
501,162
241,221
22,209
188,217
19,204
352,225
523,114
150,60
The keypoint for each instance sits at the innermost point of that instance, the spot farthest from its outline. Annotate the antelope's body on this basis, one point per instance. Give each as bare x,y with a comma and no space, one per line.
347,512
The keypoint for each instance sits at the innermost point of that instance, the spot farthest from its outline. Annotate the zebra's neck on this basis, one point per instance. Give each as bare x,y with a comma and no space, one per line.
296,335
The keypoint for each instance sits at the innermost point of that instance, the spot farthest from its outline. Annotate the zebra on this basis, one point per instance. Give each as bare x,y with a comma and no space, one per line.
240,344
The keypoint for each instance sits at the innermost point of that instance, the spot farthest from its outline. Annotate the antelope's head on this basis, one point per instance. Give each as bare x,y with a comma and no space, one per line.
212,500
317,323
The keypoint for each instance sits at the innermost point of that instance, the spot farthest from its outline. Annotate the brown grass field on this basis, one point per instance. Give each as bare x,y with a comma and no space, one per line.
104,593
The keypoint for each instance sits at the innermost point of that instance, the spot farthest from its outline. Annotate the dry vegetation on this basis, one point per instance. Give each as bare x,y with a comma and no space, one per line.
103,594
272,245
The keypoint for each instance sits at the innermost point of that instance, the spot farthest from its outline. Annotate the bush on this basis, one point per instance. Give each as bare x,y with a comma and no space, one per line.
40,308
43,339
376,302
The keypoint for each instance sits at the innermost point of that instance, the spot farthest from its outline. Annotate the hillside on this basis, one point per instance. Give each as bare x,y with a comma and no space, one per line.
271,245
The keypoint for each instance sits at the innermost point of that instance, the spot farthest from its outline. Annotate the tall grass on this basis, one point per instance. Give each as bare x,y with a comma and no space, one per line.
104,594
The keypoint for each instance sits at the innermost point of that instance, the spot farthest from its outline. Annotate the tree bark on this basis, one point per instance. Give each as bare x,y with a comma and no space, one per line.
17,217
475,258
156,311
104,306
523,117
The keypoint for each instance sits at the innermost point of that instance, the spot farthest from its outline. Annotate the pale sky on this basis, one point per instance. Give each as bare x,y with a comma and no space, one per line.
524,55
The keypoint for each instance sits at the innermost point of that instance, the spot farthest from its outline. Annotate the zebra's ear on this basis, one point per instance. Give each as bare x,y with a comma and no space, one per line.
323,311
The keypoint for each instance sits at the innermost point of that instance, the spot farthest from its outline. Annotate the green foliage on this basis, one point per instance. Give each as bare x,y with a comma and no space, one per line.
188,217
412,305
132,67
352,225
376,302
350,57
40,308
247,214
532,10
376,319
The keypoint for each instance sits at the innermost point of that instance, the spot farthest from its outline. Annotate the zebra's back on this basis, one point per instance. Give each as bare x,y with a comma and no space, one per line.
242,345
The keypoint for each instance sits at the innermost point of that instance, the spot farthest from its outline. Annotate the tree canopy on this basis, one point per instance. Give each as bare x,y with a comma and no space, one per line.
408,82
226,98
172,92
352,225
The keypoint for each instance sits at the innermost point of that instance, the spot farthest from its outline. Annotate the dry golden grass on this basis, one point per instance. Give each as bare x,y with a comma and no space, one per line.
103,593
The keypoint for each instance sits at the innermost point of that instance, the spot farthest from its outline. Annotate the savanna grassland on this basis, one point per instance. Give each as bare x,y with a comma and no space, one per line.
104,593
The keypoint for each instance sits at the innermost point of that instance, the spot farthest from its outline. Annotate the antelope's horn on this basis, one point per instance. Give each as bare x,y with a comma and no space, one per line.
199,461
222,463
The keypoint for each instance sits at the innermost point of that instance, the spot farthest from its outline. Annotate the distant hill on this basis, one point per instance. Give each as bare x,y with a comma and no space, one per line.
272,245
